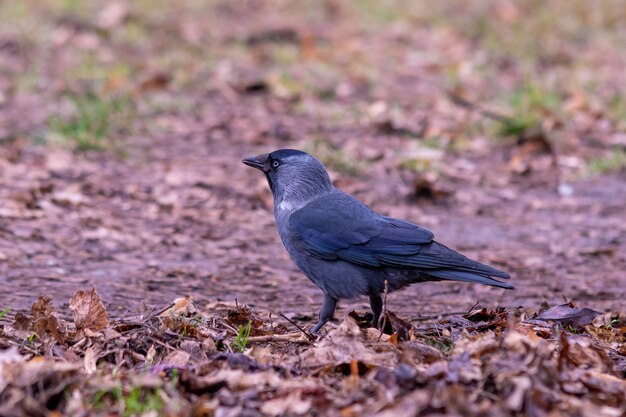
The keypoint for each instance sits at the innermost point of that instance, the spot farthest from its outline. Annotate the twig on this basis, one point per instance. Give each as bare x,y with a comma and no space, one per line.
490,114
163,310
306,333
273,337
228,327
434,316
471,308
158,342
382,320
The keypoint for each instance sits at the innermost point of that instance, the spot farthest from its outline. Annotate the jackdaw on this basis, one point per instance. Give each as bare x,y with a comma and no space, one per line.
346,248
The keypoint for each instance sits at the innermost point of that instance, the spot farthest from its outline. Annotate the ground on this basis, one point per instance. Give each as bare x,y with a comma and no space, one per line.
497,125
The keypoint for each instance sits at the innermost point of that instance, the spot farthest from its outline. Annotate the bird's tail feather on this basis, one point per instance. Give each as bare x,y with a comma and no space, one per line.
452,275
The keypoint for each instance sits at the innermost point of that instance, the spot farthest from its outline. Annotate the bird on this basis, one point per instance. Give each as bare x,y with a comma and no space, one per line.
346,248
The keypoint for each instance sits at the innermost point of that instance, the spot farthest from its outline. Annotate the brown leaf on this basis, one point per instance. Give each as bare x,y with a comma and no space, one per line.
401,327
568,315
32,375
292,404
52,325
242,315
42,308
274,35
343,345
177,358
410,405
22,321
182,306
154,82
8,356
43,320
88,310
429,186
90,361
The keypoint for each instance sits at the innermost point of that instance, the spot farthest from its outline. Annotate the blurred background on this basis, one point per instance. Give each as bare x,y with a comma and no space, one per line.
500,125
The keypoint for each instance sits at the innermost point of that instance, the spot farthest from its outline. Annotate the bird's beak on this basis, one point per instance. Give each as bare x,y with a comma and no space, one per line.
258,162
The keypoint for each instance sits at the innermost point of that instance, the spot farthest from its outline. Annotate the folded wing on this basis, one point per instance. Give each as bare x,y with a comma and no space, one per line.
338,226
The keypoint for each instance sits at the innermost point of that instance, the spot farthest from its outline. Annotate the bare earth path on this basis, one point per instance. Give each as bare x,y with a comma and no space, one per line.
191,220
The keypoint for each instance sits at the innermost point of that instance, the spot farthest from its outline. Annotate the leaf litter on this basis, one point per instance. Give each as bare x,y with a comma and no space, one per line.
191,90
179,361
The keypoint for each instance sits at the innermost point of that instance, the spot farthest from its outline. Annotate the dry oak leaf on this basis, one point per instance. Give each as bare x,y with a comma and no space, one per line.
44,321
88,310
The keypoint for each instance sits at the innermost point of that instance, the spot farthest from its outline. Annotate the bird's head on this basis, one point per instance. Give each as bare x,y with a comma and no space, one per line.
295,177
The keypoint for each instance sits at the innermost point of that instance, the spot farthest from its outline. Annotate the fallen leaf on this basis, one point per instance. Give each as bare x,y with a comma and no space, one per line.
154,82
22,321
346,344
292,404
44,321
568,315
90,360
181,306
177,358
6,357
88,310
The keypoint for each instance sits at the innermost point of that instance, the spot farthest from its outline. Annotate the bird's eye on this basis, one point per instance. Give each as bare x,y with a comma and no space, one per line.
275,164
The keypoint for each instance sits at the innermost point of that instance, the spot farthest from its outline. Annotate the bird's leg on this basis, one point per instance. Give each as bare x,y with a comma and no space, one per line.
326,313
376,303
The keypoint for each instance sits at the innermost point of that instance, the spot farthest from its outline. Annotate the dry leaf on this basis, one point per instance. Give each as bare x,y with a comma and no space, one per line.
44,321
177,358
88,310
345,344
181,306
8,356
568,315
292,404
90,360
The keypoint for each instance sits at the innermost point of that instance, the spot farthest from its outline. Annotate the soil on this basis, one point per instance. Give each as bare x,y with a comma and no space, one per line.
187,218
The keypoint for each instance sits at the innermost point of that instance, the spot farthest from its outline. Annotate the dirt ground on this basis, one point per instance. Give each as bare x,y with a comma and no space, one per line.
192,220
510,148
171,211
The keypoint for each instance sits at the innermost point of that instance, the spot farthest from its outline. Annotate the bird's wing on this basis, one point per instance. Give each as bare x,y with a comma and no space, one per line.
337,226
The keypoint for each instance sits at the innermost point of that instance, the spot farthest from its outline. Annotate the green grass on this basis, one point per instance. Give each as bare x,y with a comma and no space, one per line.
137,401
609,325
241,341
445,346
615,161
529,105
96,123
4,312
140,400
333,156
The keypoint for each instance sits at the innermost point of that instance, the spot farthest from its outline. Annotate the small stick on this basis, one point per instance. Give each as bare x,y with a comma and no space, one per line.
436,316
228,327
382,320
158,342
471,308
307,334
273,337
462,102
161,311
